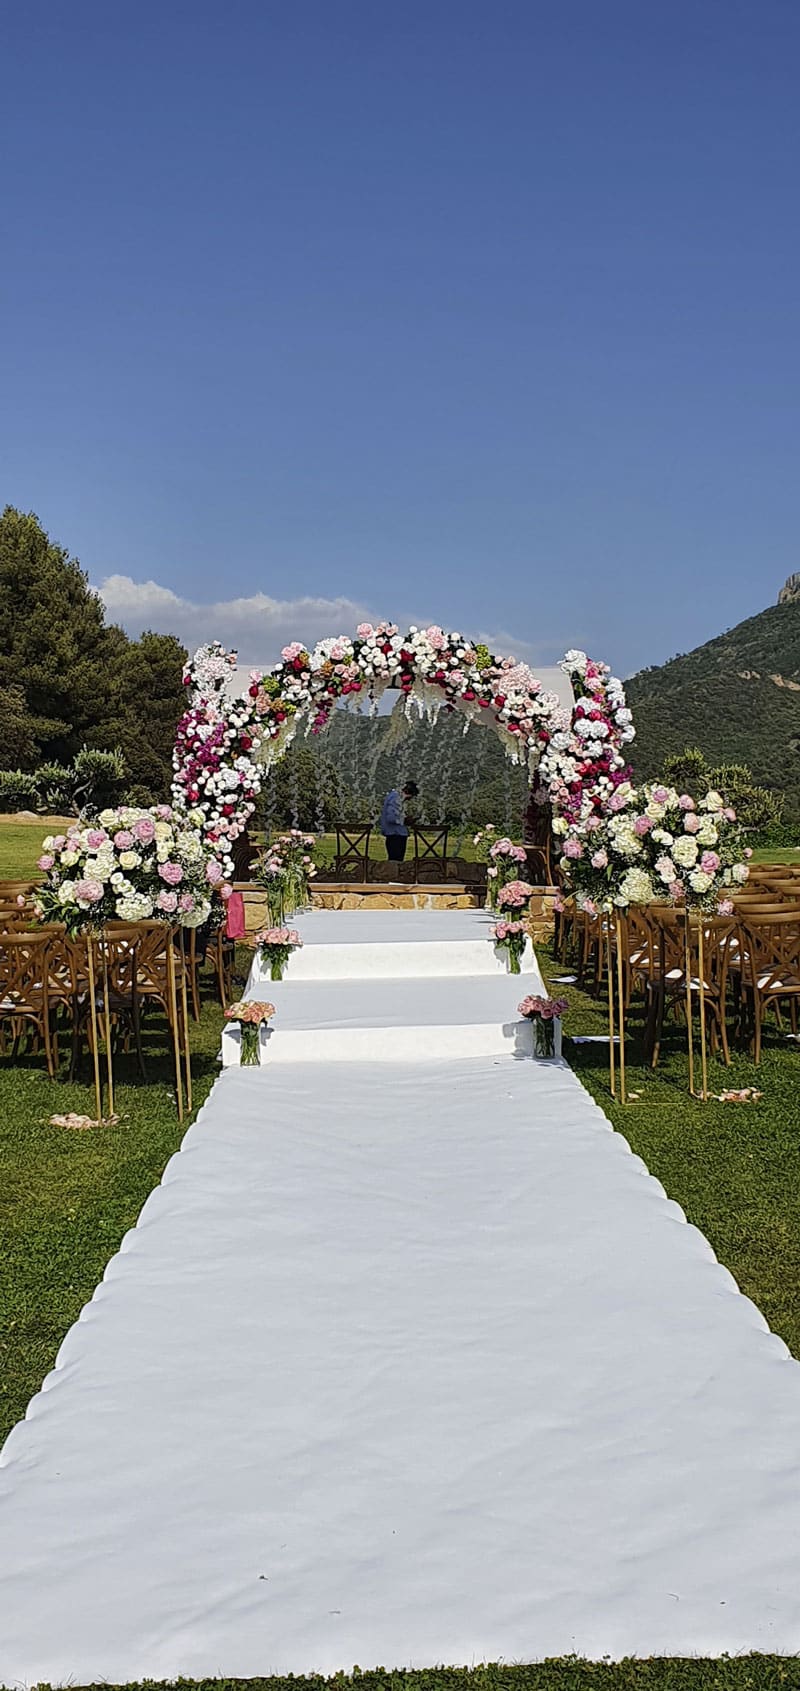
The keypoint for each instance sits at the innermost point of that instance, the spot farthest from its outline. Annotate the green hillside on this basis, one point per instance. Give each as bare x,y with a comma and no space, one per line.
737,698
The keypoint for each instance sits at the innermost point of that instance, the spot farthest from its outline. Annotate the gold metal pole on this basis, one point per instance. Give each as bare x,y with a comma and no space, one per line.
185,1003
612,1055
107,1017
173,1005
702,991
98,1091
687,965
621,1006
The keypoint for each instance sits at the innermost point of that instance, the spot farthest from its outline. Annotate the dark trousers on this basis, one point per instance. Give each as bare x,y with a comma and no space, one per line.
396,847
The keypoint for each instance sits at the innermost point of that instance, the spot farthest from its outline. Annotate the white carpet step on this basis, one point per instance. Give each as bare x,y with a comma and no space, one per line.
388,960
395,1020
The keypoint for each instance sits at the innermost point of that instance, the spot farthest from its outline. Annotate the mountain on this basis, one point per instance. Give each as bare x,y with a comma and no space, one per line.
737,698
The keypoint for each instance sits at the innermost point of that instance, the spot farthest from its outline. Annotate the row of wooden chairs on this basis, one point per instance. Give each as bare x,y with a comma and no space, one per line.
352,860
751,962
45,983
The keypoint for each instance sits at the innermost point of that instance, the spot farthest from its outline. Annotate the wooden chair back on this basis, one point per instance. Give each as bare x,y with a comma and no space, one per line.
24,995
430,853
352,851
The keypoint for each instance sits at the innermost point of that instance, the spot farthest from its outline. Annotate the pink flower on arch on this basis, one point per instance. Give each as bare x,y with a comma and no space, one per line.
172,873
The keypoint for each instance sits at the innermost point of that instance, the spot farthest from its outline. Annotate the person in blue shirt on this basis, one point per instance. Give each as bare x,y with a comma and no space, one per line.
393,821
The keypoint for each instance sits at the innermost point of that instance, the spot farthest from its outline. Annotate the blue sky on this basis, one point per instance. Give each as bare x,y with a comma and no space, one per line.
486,313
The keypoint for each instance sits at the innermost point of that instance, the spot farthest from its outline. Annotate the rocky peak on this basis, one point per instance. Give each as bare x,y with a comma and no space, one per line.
790,591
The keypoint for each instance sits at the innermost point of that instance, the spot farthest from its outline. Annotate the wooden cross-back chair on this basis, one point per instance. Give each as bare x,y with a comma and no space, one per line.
24,996
430,853
14,917
540,866
352,851
769,961
664,974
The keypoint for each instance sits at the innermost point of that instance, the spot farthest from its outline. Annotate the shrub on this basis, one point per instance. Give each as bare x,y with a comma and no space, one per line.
18,791
54,785
98,779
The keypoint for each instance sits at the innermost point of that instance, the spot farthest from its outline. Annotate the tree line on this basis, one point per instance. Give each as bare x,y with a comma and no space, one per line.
70,681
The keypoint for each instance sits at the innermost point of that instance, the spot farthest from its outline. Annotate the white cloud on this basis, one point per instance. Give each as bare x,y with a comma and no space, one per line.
256,626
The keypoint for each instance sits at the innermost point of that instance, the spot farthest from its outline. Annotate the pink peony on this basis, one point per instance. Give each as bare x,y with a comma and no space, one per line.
167,901
709,863
60,842
46,861
213,872
642,825
660,795
123,841
186,902
573,849
96,837
145,830
89,892
172,873
600,859
685,802
515,894
692,823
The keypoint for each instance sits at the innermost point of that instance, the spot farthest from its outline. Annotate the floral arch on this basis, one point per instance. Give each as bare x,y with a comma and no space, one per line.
224,743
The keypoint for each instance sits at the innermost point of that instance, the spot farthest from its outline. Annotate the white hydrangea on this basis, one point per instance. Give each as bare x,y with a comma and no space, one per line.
699,881
636,887
134,907
684,851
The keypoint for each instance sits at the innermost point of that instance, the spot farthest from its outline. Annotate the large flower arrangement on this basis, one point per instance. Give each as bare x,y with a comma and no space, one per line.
130,865
696,851
606,860
655,843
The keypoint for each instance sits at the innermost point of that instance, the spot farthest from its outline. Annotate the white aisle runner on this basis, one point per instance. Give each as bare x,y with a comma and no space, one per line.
403,1364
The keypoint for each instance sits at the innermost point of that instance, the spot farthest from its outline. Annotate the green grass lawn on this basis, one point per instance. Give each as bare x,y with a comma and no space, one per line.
20,846
777,854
